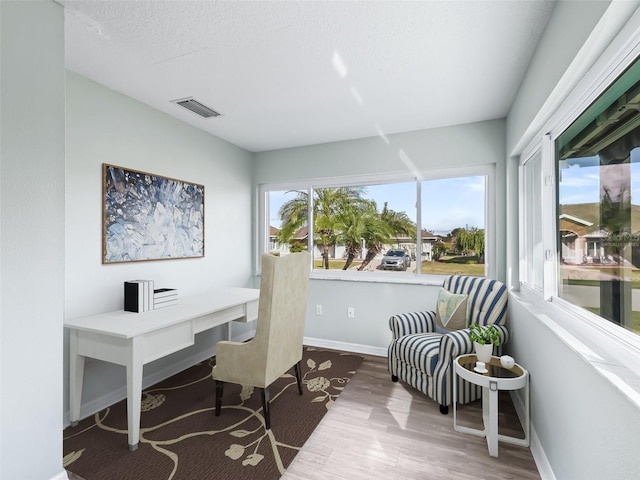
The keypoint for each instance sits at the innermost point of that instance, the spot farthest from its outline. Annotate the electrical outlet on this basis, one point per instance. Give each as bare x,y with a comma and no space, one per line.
351,312
318,309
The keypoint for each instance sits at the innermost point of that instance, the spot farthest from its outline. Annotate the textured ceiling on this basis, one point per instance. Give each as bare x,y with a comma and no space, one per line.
293,73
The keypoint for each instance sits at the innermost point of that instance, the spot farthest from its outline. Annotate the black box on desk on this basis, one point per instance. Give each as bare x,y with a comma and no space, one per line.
133,297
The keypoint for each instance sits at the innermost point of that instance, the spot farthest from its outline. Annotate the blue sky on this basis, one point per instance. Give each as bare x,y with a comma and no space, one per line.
582,184
447,203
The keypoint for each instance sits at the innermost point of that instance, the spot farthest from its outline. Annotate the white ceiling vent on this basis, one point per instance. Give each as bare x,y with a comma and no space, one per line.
196,107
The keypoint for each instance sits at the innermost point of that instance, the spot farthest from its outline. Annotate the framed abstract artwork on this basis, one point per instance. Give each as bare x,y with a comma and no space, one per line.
150,217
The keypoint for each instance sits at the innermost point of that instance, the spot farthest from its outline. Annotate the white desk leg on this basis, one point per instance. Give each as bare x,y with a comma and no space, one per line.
76,378
492,426
134,391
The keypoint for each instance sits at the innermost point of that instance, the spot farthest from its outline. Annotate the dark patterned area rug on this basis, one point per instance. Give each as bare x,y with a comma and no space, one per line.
181,438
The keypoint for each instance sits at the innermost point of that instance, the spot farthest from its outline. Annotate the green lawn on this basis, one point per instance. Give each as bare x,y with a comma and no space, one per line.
449,265
336,264
635,281
446,266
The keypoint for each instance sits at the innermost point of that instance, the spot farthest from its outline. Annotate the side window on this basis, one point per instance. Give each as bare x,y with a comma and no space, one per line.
531,269
598,171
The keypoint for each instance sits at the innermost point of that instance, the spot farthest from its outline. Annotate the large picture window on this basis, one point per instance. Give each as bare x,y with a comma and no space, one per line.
598,207
402,228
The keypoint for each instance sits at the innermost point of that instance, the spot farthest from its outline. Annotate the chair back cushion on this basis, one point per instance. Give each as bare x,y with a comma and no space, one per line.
486,298
282,311
277,344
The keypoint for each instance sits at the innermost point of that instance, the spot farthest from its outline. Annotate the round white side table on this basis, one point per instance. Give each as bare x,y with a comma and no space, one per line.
495,379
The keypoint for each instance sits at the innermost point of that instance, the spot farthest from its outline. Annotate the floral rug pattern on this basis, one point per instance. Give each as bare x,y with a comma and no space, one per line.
180,437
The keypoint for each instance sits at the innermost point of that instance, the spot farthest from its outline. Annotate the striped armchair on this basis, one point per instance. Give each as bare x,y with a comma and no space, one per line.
423,358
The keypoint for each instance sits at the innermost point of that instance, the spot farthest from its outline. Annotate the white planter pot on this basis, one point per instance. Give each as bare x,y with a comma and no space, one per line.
483,352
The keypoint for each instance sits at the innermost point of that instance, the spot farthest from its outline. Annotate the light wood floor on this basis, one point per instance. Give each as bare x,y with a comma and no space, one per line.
378,429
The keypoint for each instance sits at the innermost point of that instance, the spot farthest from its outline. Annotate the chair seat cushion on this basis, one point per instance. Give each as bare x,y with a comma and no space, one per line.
419,350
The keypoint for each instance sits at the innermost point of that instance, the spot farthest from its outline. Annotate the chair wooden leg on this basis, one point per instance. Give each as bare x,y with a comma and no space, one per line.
296,367
219,388
265,407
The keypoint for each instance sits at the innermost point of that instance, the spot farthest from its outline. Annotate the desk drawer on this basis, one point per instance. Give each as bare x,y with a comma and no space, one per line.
160,343
219,318
104,347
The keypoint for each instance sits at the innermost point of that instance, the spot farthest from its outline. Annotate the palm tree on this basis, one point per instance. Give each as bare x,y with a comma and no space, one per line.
381,229
327,204
398,222
341,214
354,222
375,236
293,215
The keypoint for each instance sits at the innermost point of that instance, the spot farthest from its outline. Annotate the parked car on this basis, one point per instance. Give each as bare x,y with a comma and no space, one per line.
395,260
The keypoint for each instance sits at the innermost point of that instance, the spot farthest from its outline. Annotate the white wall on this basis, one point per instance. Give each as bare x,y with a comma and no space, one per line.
587,427
436,149
31,239
567,30
584,424
104,126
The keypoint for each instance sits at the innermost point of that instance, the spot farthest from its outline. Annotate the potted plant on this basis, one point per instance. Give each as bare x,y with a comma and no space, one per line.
484,339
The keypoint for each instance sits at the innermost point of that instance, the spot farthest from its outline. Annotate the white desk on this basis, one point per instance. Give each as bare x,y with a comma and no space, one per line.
133,339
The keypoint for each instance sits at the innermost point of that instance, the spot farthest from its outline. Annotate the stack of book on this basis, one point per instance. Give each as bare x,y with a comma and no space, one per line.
140,296
165,297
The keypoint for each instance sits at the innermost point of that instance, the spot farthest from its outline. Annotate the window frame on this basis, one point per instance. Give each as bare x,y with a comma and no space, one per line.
596,323
527,209
488,171
570,321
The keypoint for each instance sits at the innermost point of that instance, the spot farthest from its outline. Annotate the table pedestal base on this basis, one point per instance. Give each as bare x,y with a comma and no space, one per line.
490,388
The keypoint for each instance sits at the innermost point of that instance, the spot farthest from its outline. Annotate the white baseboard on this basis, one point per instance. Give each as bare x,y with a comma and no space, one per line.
61,476
542,462
100,403
346,347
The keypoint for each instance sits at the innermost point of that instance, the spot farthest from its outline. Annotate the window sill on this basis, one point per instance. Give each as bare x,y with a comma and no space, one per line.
377,277
616,359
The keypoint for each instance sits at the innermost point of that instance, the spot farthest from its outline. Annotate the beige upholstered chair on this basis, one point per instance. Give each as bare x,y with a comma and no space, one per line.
277,344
